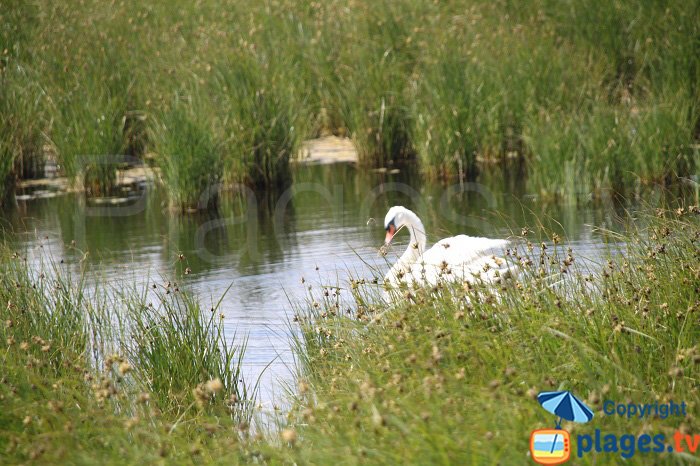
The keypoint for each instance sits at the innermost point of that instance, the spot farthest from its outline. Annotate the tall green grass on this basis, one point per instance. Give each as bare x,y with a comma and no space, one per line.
190,156
113,375
449,375
21,127
90,140
178,345
456,85
649,144
260,119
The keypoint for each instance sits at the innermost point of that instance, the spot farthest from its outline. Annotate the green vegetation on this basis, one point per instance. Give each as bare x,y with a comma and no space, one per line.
592,95
446,375
449,375
190,159
20,135
112,377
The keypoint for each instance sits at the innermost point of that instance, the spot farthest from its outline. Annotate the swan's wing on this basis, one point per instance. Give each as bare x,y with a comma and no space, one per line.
462,258
457,258
463,249
484,268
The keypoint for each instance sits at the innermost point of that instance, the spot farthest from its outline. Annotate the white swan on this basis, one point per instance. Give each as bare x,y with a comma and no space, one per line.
459,258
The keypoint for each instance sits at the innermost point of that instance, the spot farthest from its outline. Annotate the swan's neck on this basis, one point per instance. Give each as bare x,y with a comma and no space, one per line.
416,247
413,253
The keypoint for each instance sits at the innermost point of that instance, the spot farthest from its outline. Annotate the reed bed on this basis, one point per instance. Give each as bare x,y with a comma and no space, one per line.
21,154
602,93
189,157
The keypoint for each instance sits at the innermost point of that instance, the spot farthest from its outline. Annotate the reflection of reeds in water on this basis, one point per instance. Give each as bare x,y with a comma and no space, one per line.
597,93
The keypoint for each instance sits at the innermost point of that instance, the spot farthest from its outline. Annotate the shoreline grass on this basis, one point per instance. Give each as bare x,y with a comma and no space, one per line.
113,377
450,375
608,91
445,375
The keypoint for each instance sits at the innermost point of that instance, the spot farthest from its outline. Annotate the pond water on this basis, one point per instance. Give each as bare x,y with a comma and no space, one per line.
328,224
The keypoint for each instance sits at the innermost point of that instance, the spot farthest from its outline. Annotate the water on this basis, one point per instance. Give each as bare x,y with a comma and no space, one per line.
328,224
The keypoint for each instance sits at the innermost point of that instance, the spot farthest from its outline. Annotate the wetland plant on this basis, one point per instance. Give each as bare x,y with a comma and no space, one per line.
399,384
261,119
88,133
189,154
95,374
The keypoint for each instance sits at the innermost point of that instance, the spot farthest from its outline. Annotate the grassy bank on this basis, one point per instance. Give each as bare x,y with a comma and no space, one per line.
593,96
444,376
450,376
114,377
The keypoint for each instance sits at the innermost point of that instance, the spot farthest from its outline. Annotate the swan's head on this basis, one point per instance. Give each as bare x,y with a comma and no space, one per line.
397,217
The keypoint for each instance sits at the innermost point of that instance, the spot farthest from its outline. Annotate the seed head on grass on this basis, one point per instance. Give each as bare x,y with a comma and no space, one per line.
200,396
436,354
131,423
378,420
124,368
289,436
214,386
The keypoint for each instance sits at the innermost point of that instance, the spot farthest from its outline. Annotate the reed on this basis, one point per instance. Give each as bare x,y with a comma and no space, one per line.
457,85
261,120
93,373
178,345
21,126
189,155
88,130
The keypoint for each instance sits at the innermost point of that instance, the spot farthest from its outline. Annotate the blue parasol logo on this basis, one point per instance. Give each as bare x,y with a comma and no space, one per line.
565,405
553,446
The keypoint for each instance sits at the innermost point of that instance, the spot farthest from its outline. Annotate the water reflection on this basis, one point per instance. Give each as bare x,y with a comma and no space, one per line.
262,244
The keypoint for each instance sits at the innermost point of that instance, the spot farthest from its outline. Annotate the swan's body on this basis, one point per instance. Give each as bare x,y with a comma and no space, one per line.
458,258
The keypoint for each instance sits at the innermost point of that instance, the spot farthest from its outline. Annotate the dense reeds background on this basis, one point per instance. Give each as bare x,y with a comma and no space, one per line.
589,95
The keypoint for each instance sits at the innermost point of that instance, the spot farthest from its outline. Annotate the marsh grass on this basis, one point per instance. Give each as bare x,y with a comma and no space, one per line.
88,133
43,311
456,84
90,375
177,345
261,121
649,144
189,154
450,375
21,126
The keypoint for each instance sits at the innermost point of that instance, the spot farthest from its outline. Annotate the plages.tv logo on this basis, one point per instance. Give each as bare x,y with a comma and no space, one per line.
553,446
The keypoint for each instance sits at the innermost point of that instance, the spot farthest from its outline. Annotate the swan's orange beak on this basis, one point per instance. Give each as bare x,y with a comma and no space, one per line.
390,232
